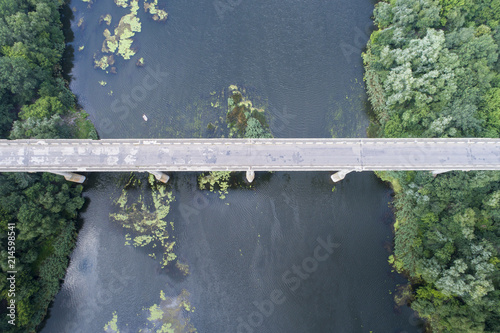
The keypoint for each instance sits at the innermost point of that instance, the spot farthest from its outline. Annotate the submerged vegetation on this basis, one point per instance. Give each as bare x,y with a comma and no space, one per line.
145,217
169,316
35,102
432,71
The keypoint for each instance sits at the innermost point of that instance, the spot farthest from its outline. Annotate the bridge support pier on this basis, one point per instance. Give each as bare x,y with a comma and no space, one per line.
70,176
250,175
160,176
437,172
338,176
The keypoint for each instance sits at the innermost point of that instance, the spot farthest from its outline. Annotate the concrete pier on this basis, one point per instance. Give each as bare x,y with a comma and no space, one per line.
250,175
70,176
160,176
340,175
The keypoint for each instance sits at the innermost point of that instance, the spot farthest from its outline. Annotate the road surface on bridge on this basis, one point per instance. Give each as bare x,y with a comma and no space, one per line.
244,154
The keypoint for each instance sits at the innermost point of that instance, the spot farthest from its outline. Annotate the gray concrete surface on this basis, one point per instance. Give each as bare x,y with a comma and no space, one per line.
244,154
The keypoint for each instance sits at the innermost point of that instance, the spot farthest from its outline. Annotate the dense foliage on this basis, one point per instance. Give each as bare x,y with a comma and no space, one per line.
431,70
244,120
35,102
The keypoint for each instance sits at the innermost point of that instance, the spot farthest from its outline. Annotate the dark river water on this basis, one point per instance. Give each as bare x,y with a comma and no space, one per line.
319,254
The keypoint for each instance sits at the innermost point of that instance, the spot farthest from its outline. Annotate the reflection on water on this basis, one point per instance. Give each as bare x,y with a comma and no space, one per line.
260,259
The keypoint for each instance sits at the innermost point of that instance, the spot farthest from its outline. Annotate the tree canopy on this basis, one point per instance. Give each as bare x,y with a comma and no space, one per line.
35,102
431,70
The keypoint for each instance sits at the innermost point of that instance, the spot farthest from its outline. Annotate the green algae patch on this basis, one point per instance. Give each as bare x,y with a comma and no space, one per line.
112,325
145,217
106,19
158,14
122,3
104,62
183,268
215,181
121,41
170,316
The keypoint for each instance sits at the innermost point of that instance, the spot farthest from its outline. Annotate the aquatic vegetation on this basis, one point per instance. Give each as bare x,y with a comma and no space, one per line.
169,316
183,268
112,326
122,3
120,41
145,218
216,181
104,62
244,120
134,6
105,18
81,47
158,14
103,83
140,62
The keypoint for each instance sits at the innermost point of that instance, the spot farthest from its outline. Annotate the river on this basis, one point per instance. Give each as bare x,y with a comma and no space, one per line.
310,255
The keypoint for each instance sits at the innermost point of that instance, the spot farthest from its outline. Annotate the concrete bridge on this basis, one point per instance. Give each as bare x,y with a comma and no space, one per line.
172,155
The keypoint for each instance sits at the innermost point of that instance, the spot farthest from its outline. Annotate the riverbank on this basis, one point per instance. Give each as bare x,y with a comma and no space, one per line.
40,211
431,70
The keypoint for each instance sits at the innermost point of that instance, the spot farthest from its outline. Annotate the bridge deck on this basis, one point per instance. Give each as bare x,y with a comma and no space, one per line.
242,154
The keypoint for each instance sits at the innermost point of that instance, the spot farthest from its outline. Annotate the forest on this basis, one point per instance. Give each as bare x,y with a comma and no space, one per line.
35,102
432,70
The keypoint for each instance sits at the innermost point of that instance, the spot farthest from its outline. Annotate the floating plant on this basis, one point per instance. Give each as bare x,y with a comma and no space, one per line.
171,315
105,18
120,41
158,14
146,219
